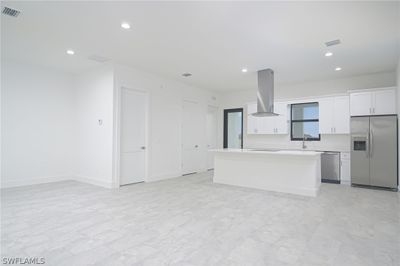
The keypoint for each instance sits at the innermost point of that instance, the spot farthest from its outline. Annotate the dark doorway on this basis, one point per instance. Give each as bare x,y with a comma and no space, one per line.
233,128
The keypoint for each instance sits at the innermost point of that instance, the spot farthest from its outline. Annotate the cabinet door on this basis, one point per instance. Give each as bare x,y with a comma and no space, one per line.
251,125
384,102
360,103
326,112
265,125
251,120
345,168
341,116
281,121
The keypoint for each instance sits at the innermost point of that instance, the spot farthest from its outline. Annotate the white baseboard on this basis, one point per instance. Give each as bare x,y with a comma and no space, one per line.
32,181
43,180
163,177
345,182
92,181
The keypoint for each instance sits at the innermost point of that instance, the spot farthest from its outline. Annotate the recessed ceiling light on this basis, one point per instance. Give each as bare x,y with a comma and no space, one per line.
244,70
327,54
186,75
125,26
338,69
70,52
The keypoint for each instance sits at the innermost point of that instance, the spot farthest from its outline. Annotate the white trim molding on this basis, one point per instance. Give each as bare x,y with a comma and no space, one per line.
92,181
46,180
20,182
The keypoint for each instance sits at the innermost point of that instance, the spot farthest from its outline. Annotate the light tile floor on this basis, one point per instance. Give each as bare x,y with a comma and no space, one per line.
191,221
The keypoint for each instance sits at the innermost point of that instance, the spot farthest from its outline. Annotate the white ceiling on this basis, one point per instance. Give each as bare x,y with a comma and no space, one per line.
211,40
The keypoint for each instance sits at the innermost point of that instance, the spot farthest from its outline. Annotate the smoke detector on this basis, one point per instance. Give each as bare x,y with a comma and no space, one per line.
10,12
332,43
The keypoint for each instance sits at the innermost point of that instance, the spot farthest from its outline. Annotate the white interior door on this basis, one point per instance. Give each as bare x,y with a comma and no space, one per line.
133,136
191,137
212,134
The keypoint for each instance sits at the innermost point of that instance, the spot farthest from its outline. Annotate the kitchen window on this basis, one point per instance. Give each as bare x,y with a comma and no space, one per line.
304,119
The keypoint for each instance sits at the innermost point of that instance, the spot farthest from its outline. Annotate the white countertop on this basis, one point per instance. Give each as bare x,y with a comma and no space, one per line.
266,151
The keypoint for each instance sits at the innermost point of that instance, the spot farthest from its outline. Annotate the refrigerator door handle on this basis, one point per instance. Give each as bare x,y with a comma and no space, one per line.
371,145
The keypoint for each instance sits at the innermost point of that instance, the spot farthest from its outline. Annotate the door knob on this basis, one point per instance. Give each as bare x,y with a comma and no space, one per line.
143,147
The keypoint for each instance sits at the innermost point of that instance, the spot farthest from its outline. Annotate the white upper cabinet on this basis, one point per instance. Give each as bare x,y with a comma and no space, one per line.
379,102
384,102
334,115
281,121
252,127
341,117
268,125
326,115
360,103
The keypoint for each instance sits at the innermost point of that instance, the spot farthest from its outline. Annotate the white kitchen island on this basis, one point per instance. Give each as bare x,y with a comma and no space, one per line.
288,171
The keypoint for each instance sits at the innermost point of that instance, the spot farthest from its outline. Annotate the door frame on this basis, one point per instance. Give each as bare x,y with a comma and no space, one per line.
217,121
182,146
226,112
117,134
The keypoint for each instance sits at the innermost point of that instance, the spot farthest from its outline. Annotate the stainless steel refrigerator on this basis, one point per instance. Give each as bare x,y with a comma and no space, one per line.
374,151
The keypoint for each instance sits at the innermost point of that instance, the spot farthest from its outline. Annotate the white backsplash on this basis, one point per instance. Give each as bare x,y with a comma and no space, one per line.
327,143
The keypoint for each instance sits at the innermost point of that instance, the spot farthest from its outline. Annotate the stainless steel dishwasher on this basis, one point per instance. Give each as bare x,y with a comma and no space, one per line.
330,167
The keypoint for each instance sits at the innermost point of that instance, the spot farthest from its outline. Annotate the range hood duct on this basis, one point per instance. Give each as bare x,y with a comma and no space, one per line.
265,93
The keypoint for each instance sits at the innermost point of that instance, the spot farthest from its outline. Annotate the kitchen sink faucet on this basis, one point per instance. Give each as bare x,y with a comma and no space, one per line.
304,141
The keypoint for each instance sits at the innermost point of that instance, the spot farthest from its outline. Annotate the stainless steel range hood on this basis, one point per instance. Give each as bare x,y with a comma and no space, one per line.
265,93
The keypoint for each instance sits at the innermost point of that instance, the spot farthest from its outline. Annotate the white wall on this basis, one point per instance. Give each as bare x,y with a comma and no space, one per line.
94,102
165,118
398,104
311,89
50,123
37,116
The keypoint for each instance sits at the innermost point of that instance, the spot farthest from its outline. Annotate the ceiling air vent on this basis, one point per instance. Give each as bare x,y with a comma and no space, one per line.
332,43
98,58
10,12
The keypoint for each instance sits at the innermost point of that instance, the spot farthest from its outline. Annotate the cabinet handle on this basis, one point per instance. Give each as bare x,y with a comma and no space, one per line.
373,110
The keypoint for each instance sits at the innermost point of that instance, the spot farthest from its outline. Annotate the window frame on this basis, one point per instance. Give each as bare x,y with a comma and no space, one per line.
303,121
226,112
